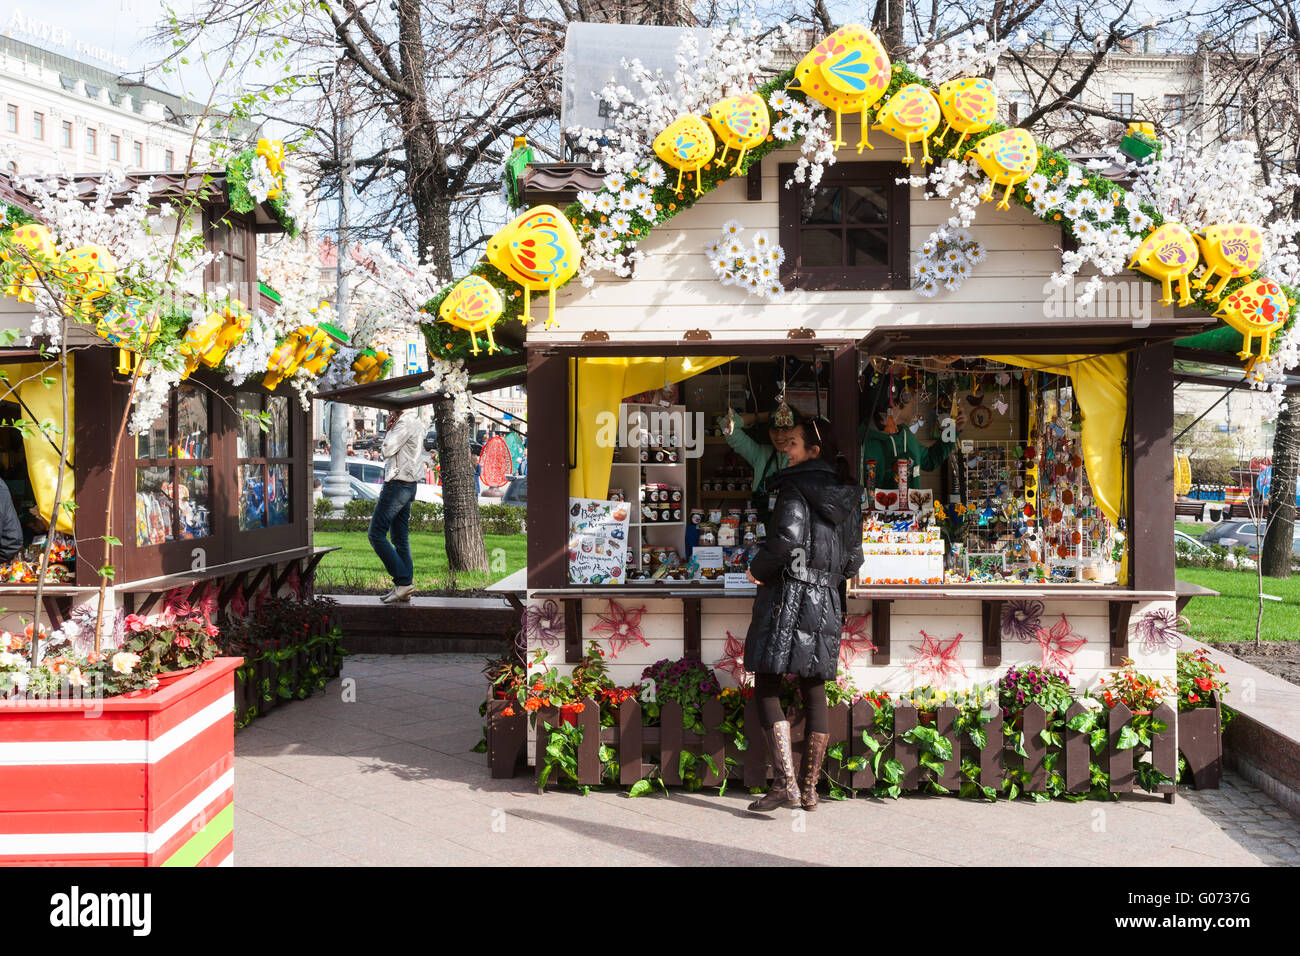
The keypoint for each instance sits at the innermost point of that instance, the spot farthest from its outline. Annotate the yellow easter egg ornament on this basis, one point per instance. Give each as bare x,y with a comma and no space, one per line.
847,72
540,251
474,305
910,115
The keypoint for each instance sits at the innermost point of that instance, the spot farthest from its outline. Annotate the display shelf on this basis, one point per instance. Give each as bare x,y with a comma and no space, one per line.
727,495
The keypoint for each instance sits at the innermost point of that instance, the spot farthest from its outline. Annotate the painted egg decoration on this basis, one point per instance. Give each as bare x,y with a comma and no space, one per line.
38,244
687,145
92,271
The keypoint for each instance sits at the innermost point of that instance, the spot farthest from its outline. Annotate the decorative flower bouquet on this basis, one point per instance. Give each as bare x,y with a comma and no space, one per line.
185,643
1139,693
687,682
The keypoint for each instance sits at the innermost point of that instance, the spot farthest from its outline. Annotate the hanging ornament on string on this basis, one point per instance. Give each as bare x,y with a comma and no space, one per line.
784,415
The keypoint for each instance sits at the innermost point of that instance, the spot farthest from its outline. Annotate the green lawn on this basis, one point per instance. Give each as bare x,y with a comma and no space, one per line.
1231,615
357,568
1193,528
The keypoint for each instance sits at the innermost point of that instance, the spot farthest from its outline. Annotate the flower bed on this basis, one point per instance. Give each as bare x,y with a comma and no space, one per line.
1029,735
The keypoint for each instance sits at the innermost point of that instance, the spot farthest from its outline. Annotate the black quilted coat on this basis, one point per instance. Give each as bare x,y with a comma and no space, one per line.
814,543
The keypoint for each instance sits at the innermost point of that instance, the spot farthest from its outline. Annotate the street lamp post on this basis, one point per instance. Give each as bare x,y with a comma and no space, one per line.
336,485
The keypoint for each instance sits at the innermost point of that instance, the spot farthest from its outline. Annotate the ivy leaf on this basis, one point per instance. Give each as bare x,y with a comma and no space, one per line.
870,742
1082,723
1128,738
640,788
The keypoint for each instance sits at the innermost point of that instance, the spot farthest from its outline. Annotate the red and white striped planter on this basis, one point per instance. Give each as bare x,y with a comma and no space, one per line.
144,780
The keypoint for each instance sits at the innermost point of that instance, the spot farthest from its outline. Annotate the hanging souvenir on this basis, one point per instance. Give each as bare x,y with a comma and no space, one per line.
1231,250
848,72
540,251
199,337
1168,253
284,359
969,105
39,245
741,122
91,270
370,365
319,343
687,145
1257,308
474,305
126,327
910,115
1007,158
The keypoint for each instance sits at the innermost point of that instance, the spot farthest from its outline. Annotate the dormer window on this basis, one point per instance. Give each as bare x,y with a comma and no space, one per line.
234,238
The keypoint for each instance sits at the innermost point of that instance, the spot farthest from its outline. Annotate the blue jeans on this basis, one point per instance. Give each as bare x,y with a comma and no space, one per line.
391,518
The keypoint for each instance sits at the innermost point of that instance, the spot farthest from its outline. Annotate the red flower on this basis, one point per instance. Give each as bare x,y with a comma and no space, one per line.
1204,683
134,622
508,712
1193,698
181,641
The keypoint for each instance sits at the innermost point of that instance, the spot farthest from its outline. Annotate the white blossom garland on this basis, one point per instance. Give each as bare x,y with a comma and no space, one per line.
755,267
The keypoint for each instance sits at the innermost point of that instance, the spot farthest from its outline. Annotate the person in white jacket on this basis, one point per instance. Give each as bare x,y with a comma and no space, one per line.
403,468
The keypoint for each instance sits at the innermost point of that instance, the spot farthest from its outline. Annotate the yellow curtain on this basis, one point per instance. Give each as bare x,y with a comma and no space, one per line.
600,384
45,403
1101,389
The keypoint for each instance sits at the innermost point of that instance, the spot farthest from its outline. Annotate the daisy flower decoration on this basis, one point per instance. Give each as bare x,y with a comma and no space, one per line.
605,203
1072,209
780,101
975,254
620,222
653,175
627,202
643,195
952,283
927,248
927,288
784,130
1103,211
753,285
605,234
1085,230
773,289
732,227
942,269
1139,221
734,248
1036,184
1087,201
1041,206
615,182
761,242
776,255
587,200
753,259
1116,233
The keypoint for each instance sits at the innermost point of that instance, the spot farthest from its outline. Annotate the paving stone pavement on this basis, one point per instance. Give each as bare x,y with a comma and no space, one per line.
389,780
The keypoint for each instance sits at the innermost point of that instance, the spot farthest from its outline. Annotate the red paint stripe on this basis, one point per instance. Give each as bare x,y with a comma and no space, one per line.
74,787
75,821
220,851
67,724
187,771
105,859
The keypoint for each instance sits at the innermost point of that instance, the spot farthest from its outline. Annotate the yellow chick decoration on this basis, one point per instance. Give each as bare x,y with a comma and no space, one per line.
969,106
319,344
39,244
540,251
198,338
911,115
272,150
1008,158
1168,253
284,359
847,72
474,305
687,145
370,365
1257,308
1231,250
741,122
92,270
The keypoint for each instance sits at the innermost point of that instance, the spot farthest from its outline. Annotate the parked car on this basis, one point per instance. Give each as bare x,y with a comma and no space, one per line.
1236,533
516,493
371,473
360,489
1185,542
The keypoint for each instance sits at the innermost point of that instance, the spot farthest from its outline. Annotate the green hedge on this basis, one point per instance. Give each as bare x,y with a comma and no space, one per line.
425,516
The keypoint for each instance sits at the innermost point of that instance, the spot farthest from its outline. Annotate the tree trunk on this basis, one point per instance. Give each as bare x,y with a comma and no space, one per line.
1275,555
462,529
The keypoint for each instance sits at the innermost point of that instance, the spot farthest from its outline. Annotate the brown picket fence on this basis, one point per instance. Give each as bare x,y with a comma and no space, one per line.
641,748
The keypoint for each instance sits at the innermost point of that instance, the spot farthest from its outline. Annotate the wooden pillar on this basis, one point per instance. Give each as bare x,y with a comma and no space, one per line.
1151,487
93,434
548,470
844,403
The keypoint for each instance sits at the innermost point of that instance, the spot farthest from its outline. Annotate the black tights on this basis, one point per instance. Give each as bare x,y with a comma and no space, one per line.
767,688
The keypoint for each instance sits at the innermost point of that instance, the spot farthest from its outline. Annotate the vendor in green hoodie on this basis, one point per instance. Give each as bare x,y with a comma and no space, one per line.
886,435
765,459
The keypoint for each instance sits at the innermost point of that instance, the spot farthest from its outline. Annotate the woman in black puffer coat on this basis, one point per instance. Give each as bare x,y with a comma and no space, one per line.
814,544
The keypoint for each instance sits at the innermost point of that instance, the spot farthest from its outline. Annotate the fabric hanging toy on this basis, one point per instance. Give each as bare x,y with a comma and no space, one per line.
540,251
848,72
687,145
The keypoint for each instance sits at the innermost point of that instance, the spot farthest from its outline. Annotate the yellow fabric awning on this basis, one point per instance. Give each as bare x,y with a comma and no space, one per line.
598,385
45,402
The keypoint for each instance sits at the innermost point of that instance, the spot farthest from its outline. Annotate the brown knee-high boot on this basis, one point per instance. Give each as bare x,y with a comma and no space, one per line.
785,787
813,756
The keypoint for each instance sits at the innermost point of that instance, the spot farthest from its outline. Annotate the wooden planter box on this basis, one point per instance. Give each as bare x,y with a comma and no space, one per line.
1200,738
145,780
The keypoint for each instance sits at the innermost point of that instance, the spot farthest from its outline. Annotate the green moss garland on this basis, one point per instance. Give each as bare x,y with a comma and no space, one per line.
238,171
